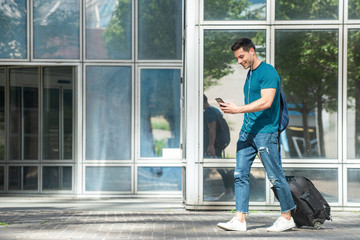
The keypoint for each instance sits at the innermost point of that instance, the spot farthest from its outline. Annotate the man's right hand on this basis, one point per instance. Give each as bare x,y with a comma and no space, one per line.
210,151
230,107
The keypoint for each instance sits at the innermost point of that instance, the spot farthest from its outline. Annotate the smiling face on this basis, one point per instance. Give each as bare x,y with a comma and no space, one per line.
244,58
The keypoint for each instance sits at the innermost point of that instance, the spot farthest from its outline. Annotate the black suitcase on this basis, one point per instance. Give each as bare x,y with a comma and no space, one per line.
311,207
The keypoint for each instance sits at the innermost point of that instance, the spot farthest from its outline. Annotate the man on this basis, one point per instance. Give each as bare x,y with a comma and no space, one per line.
211,129
259,134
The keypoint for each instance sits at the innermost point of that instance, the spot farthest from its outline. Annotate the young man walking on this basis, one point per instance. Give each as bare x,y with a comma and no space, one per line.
259,134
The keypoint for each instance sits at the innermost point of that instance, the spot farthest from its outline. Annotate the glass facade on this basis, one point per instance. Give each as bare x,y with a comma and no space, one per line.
353,182
56,27
159,179
13,28
108,29
160,41
108,179
2,114
310,81
108,113
309,58
107,97
57,178
219,185
353,93
160,111
227,10
24,113
58,113
2,178
306,10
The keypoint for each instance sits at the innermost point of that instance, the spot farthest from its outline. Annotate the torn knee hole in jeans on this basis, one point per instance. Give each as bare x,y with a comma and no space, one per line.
263,149
273,181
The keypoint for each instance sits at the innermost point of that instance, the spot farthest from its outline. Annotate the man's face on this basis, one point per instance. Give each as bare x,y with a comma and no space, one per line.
244,58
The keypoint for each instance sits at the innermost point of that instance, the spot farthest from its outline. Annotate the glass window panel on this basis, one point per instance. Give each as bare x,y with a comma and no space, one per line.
160,111
306,10
225,78
108,29
2,114
108,113
307,62
184,183
68,123
325,180
160,41
159,179
108,179
234,10
353,93
23,178
353,185
30,178
14,178
354,9
219,184
23,117
57,178
13,37
57,113
2,177
56,29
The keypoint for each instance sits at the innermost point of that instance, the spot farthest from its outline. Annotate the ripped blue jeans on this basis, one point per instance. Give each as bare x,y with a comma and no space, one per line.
267,144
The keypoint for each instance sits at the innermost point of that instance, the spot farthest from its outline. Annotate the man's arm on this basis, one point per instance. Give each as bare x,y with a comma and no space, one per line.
265,102
212,136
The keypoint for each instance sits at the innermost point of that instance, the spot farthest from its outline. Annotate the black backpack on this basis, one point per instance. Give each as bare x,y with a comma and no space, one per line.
284,114
222,139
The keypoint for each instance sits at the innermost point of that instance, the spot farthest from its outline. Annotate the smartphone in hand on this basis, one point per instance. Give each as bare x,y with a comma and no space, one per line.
219,100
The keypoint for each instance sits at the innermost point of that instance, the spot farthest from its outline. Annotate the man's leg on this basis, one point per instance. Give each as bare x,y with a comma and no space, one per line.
267,145
245,156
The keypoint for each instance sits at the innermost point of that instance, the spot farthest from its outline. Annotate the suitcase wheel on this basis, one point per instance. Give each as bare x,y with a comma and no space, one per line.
317,225
298,225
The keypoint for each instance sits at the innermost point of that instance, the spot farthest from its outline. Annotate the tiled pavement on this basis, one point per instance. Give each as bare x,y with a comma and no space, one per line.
51,221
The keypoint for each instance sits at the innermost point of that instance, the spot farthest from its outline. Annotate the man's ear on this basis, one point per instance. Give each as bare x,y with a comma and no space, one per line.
252,51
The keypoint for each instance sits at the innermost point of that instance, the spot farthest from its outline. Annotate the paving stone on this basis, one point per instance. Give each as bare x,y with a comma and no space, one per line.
178,224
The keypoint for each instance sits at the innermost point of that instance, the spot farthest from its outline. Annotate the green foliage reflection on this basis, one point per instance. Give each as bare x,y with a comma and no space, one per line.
233,10
306,9
218,56
354,82
307,63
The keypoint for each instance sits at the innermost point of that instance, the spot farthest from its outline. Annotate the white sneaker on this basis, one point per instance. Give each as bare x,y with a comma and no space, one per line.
233,225
281,225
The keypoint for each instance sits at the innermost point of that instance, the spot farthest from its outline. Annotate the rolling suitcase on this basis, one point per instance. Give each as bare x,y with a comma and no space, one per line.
311,207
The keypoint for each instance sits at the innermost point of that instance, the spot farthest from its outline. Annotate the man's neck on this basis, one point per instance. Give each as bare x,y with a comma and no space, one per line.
256,63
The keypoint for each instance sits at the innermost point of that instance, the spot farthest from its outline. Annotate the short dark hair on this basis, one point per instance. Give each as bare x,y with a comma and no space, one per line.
244,43
205,98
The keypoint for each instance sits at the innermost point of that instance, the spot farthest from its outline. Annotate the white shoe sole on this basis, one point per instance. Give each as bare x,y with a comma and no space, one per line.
230,229
279,230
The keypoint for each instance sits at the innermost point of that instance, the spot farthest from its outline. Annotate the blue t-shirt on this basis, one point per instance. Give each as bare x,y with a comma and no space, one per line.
265,121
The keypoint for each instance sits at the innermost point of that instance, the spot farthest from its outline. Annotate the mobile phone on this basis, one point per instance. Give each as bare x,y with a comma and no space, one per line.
219,100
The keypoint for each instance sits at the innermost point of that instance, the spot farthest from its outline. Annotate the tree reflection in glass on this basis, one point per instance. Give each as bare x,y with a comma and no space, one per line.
234,10
56,29
307,62
353,93
306,9
160,111
108,29
13,29
354,9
